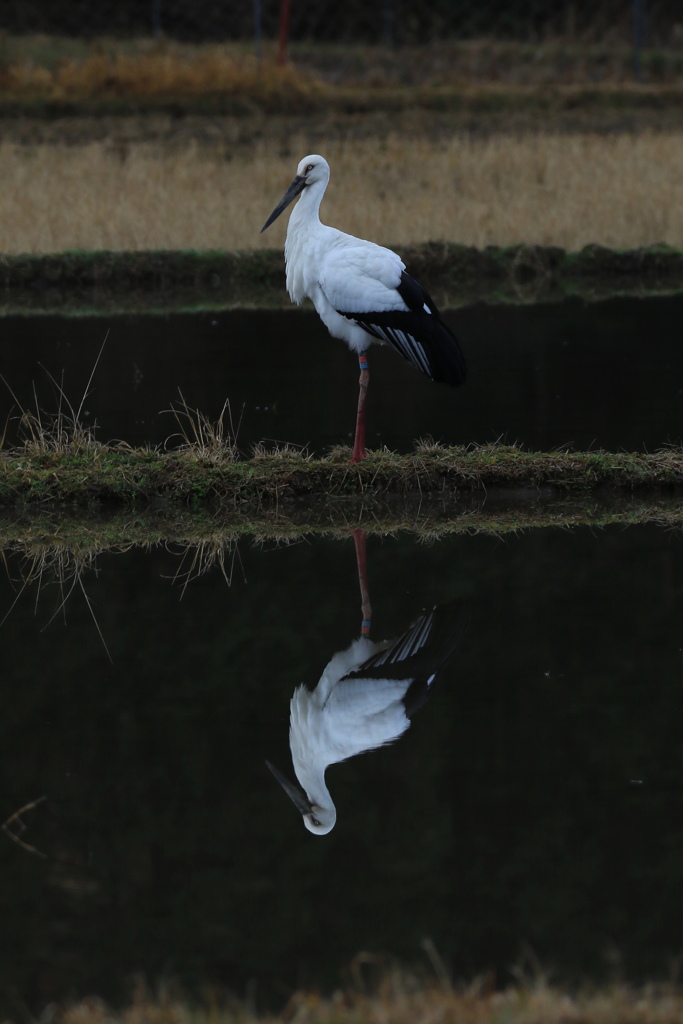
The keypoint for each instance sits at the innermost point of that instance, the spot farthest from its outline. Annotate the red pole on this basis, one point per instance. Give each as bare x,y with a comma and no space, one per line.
285,7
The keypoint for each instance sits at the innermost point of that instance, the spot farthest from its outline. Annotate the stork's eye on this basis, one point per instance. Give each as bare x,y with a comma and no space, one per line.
315,822
309,168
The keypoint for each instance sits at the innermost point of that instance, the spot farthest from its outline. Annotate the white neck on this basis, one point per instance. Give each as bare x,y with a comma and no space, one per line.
310,752
312,780
308,205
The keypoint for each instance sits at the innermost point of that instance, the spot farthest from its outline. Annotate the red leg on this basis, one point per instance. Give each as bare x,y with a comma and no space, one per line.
359,443
361,560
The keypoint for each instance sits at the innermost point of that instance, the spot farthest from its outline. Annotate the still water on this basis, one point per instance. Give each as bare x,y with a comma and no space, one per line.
605,375
535,802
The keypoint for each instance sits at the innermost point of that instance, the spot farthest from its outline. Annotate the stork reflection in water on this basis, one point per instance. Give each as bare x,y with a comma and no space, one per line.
365,699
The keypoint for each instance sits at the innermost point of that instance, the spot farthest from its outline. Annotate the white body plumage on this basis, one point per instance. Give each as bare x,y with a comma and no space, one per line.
361,290
338,271
339,719
365,698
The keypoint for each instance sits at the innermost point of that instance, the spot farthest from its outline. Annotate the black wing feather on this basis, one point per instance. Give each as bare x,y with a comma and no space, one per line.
419,652
418,333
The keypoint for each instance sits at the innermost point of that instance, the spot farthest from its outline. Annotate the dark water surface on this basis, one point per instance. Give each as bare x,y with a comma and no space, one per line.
604,375
536,801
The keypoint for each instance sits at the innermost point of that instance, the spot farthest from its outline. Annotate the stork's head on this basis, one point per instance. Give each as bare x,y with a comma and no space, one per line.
312,170
318,819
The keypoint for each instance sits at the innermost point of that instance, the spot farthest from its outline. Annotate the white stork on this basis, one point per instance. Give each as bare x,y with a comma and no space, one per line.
361,291
365,699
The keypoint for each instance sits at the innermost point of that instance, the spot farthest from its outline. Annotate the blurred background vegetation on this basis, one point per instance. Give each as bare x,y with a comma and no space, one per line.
163,125
358,21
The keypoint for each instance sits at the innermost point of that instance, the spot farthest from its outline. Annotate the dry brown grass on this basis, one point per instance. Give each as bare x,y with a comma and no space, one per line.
170,71
404,1000
618,190
199,437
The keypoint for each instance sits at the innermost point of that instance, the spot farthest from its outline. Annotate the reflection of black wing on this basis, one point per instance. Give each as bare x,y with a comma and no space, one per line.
418,333
417,654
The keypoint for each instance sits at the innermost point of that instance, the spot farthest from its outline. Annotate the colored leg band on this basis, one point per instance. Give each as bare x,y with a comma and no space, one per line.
365,626
363,360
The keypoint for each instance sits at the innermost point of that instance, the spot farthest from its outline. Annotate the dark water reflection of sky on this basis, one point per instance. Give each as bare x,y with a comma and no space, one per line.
536,801
605,375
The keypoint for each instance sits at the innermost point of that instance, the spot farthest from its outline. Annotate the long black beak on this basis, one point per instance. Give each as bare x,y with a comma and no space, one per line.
291,193
297,796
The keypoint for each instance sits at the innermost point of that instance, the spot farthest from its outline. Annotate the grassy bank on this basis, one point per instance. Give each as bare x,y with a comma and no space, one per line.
402,999
607,105
86,473
119,282
619,191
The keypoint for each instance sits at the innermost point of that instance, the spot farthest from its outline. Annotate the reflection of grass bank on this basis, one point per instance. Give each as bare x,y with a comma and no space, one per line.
78,282
283,481
72,538
402,999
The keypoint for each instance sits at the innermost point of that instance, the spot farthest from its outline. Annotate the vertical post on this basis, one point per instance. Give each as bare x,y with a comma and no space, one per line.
639,17
156,18
285,6
257,29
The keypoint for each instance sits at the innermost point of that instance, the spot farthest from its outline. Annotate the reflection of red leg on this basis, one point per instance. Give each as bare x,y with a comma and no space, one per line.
361,558
359,443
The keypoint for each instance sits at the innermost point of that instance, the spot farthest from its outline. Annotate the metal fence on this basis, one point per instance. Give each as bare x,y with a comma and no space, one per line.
392,22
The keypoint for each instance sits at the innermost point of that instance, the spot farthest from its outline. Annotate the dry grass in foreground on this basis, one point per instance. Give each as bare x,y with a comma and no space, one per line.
401,999
620,191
